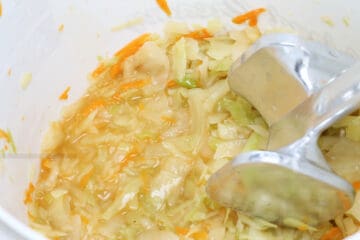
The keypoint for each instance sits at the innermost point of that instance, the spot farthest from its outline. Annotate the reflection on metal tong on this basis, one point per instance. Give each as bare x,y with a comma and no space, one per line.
300,88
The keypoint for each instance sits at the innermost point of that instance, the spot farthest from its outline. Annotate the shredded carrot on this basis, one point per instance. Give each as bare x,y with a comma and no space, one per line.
61,27
333,234
65,95
181,231
6,147
164,6
253,21
85,179
28,193
201,235
4,135
0,9
99,70
356,185
9,71
135,84
168,119
199,34
84,219
250,16
133,46
92,106
45,163
131,85
115,70
171,84
130,49
129,156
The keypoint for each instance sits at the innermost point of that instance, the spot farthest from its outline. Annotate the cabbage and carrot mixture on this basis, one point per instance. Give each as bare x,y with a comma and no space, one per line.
131,158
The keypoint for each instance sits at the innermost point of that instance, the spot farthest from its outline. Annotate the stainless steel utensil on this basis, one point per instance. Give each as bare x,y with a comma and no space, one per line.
291,180
280,71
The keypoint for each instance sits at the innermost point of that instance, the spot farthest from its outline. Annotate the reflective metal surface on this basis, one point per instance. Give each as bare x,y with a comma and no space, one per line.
293,180
281,70
276,186
319,111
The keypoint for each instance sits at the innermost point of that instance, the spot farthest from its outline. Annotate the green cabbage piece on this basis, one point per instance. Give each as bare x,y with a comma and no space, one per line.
188,81
240,109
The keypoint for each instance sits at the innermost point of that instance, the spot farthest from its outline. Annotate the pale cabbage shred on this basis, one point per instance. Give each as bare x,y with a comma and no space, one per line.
172,140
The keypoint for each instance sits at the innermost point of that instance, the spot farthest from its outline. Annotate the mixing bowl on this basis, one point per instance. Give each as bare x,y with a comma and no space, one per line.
32,42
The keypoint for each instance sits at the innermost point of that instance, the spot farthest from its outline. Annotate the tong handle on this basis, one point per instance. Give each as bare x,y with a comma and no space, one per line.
319,111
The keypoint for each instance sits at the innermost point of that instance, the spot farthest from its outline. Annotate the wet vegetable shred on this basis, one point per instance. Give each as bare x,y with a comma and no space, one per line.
65,95
164,6
251,17
131,158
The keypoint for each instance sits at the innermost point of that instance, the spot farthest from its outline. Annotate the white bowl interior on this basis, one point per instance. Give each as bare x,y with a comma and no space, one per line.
30,42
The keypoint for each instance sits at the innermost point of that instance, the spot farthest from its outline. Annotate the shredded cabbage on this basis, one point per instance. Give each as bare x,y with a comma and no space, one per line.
188,81
354,211
352,127
130,160
179,60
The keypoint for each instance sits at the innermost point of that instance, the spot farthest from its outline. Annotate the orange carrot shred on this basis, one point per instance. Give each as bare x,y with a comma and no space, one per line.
45,164
4,135
171,84
356,185
133,46
198,34
115,70
84,219
85,179
250,16
131,85
0,9
92,106
201,235
65,94
164,6
253,21
28,193
99,70
129,156
134,84
130,49
333,234
181,231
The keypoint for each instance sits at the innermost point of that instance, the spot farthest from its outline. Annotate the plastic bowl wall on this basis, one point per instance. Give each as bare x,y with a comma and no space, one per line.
30,42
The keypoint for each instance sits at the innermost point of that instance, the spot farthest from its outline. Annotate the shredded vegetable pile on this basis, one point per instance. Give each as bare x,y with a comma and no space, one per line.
131,158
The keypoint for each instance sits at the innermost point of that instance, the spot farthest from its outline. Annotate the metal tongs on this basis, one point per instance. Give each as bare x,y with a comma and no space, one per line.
300,88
